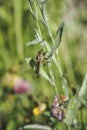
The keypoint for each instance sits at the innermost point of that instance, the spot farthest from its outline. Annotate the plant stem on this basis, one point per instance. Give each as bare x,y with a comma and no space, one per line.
18,28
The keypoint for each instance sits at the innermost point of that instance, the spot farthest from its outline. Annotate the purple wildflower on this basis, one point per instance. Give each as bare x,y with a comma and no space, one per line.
60,116
56,103
21,86
56,109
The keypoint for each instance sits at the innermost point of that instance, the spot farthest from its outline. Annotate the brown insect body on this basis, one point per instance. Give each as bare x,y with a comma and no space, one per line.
39,58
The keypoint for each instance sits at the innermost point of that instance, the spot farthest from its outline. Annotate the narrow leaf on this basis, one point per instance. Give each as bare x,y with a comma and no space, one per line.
45,75
46,26
57,40
31,9
34,42
43,10
31,62
72,110
53,57
65,86
83,89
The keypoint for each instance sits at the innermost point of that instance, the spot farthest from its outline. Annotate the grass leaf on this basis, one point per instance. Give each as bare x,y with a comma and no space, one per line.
83,87
31,62
57,40
65,86
45,75
72,110
34,42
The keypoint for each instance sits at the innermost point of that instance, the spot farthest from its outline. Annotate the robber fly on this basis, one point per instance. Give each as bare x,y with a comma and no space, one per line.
39,59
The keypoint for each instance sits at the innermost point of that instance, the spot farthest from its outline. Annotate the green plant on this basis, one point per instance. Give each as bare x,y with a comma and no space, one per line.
38,11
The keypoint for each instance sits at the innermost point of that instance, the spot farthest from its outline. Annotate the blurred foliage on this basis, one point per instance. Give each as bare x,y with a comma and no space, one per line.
16,29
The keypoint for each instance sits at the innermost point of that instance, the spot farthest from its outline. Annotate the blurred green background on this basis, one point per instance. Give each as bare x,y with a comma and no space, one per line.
17,28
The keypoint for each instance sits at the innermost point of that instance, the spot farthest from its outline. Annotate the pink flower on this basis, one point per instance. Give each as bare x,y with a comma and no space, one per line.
60,116
21,86
56,109
56,103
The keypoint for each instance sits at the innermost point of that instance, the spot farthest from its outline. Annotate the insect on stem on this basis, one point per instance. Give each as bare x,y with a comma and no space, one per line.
39,59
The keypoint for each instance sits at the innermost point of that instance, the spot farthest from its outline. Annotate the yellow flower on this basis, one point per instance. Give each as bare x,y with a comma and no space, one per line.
39,109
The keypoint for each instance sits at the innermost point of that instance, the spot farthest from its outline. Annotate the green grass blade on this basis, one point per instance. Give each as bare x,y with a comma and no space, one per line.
83,89
72,110
42,5
65,86
34,42
58,40
45,75
31,62
18,28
